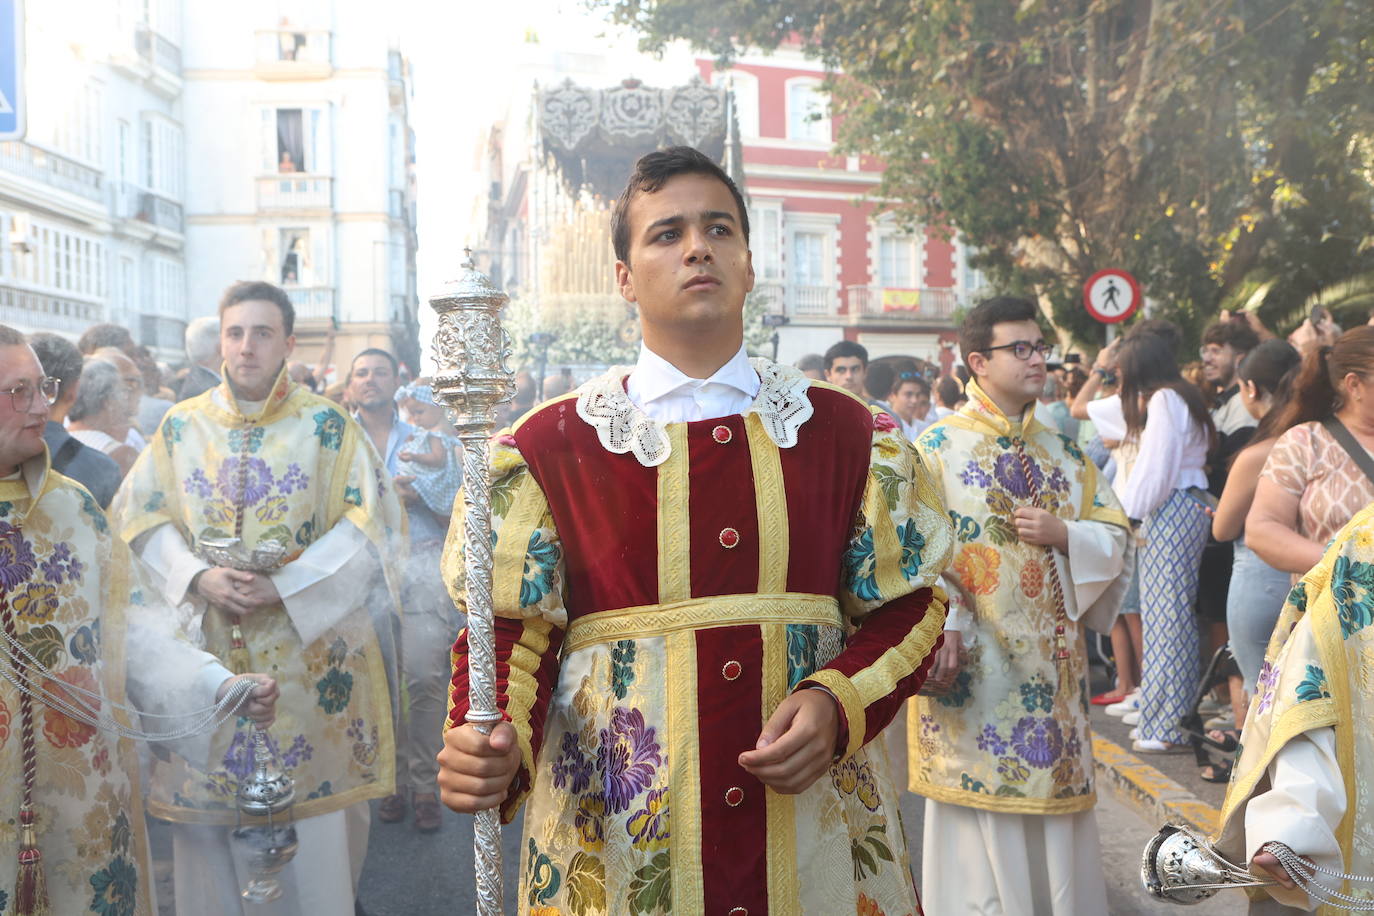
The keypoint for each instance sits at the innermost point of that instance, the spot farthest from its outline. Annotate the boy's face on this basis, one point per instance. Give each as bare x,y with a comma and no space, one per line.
690,267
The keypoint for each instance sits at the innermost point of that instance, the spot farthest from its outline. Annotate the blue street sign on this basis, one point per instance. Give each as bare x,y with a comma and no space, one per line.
11,69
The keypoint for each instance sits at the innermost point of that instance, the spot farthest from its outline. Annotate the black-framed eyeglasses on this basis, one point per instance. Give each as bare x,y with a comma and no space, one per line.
21,395
1023,349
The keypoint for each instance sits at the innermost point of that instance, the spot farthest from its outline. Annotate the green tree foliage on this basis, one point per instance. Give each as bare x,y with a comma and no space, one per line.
1208,146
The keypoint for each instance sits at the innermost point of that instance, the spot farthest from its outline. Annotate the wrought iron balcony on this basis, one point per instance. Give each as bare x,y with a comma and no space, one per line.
158,50
295,191
132,202
53,169
47,311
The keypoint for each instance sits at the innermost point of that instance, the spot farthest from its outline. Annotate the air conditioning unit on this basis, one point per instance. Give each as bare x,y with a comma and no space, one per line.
22,237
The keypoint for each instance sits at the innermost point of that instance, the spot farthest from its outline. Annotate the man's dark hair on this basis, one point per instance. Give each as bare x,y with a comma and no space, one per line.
376,351
844,349
975,334
1240,337
811,362
878,381
905,376
105,335
652,172
10,337
248,290
59,358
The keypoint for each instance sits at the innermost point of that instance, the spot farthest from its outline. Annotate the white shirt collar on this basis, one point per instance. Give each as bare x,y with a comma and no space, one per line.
654,377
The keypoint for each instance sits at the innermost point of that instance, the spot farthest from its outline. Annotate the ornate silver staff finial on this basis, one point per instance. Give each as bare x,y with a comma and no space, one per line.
470,353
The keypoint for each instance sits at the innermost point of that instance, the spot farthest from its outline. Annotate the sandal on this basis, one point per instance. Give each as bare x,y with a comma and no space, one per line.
1225,740
1216,772
1107,699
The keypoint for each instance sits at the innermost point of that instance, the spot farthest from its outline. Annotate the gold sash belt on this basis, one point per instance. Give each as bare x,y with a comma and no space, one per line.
700,614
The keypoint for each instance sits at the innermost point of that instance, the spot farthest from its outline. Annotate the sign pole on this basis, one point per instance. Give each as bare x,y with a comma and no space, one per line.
470,352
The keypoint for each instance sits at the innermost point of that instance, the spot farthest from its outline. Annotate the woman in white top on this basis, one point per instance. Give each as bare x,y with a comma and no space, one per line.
1168,420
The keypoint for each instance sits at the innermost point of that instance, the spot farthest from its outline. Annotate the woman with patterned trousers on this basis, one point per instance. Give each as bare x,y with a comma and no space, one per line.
1168,419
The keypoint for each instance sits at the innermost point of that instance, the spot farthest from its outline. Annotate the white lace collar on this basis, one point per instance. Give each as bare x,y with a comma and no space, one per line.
782,404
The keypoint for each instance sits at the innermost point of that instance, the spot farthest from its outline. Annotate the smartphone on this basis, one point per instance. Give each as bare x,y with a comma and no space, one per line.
1202,497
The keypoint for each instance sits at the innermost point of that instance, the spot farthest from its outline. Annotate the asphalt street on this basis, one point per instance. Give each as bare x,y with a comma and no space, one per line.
409,874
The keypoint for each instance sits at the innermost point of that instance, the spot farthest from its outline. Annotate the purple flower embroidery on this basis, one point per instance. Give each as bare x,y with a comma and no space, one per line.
16,556
991,742
572,770
1268,680
257,481
626,758
974,476
1010,475
198,484
299,752
53,570
294,479
1038,741
238,759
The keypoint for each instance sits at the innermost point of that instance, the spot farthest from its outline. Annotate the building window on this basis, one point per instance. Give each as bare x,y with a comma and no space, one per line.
765,231
168,280
809,266
745,88
967,277
162,155
897,261
295,140
79,132
55,258
808,114
294,258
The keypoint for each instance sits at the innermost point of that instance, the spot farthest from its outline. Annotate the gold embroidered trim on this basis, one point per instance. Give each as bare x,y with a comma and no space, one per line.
674,528
951,796
522,689
770,497
880,678
856,719
684,772
700,614
780,810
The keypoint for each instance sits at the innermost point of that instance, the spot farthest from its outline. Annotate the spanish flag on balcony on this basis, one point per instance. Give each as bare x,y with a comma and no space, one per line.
901,300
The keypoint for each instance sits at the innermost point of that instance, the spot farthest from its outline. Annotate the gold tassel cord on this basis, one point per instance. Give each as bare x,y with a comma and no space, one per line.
239,660
31,884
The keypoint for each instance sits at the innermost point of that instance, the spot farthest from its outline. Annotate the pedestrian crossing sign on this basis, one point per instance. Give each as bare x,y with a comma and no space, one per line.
11,69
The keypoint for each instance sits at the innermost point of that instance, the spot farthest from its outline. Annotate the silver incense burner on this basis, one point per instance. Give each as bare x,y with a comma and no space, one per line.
1181,866
266,848
265,557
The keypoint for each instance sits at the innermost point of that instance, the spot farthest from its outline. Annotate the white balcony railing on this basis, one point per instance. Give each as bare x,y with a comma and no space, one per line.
812,301
868,303
294,53
158,50
56,170
30,308
295,191
313,302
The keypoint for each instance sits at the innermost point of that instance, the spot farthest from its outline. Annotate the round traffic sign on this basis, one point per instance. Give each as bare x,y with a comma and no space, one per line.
1111,295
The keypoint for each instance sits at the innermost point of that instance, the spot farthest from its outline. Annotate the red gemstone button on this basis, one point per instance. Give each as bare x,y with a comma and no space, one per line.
731,670
722,434
733,796
729,538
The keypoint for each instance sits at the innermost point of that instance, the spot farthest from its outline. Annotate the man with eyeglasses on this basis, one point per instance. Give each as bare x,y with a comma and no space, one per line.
1002,753
77,608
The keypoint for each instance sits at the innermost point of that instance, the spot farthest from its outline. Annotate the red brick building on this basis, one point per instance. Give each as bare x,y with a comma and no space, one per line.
826,257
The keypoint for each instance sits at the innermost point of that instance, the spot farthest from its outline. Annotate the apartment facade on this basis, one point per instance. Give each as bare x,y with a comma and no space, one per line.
299,169
92,223
825,254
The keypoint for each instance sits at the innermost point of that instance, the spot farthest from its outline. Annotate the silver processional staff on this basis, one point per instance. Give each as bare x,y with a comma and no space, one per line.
470,353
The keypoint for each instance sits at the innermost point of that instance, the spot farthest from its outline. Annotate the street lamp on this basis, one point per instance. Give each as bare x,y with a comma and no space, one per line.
775,321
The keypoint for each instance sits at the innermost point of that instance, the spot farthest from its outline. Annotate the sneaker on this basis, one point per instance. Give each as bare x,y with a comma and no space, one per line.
1134,733
392,810
1151,746
1131,718
1129,704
